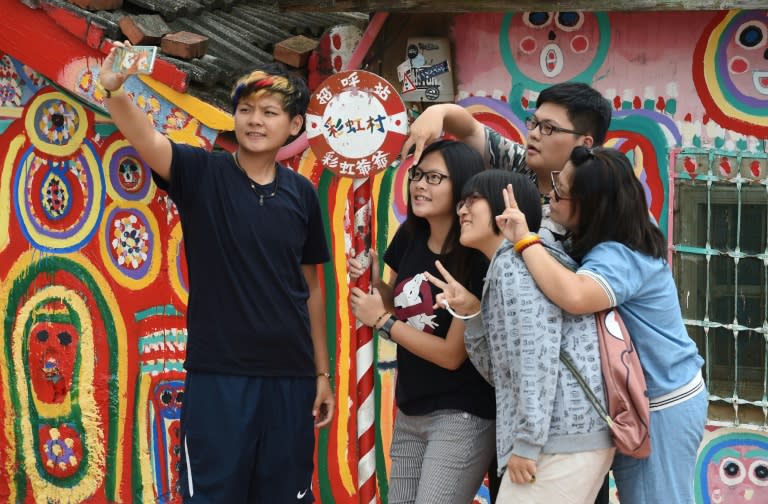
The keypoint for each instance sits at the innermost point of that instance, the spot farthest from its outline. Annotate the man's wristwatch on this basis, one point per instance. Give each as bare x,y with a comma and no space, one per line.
385,329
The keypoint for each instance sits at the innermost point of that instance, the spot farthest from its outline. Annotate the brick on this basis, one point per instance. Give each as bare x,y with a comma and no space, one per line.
184,45
144,29
294,51
97,5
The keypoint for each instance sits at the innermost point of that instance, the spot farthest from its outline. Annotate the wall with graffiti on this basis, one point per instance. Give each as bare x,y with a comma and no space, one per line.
93,278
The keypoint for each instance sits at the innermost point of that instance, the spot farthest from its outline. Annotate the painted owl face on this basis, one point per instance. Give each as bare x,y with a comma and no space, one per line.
745,52
554,46
739,475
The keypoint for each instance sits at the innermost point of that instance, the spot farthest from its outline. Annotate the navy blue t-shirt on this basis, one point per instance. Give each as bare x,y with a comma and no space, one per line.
247,312
422,386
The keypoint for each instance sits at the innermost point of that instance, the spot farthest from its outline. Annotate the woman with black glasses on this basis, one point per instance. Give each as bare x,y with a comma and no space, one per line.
443,439
552,445
622,258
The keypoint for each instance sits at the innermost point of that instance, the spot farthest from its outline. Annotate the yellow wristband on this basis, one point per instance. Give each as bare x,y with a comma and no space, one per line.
526,241
110,93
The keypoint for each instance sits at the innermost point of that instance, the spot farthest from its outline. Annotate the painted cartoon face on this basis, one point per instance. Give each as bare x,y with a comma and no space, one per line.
168,399
131,174
744,50
554,46
740,475
730,71
52,352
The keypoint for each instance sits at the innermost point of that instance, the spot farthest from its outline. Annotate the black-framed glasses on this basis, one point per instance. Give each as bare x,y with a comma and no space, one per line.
432,177
555,177
468,201
547,128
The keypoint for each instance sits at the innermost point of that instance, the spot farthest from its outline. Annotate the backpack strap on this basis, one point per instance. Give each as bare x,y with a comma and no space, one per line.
588,391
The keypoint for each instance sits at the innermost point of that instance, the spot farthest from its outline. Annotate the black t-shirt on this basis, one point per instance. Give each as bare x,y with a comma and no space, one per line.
423,387
247,312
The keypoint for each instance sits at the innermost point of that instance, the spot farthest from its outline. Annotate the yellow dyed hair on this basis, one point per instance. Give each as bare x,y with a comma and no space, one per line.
274,80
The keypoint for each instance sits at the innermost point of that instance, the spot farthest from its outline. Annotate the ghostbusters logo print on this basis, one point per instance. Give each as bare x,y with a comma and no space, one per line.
414,302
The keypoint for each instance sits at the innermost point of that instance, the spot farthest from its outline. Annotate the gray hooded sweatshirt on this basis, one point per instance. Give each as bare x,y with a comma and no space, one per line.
515,344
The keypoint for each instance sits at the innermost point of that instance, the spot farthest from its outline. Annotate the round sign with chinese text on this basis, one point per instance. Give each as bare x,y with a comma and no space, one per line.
356,123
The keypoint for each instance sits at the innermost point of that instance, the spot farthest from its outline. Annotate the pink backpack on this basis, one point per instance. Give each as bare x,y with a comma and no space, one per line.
628,414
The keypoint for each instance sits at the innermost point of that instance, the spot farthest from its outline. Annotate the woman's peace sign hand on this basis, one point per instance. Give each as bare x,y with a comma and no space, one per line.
512,221
457,297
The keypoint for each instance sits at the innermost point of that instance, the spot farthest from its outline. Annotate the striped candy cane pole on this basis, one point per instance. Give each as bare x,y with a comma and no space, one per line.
366,434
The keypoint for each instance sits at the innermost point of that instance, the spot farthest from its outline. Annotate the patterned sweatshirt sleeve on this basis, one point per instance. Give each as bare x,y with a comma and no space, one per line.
502,153
478,350
532,326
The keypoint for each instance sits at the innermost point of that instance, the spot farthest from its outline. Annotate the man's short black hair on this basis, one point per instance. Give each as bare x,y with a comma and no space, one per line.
587,109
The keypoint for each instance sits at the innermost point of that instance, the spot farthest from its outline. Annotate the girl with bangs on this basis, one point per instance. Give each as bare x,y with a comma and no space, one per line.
442,443
551,445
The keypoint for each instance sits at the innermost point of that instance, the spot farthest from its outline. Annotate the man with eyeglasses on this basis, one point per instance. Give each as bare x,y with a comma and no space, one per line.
567,115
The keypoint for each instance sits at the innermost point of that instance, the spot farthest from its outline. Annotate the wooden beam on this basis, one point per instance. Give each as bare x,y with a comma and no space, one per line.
514,5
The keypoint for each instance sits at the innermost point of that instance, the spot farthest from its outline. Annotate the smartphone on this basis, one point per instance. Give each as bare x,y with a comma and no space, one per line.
135,59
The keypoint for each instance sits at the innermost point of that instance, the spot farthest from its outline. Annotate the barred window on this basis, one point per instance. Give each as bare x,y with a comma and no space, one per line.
720,258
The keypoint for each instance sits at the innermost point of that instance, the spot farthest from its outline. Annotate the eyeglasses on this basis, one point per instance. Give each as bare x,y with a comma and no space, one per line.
547,128
432,177
555,176
468,201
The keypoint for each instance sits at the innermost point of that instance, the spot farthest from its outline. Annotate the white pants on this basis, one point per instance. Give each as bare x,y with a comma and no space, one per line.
568,478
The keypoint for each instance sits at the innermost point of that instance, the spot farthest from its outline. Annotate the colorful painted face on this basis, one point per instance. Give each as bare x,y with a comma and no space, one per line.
554,46
168,399
52,353
739,475
730,71
131,174
744,51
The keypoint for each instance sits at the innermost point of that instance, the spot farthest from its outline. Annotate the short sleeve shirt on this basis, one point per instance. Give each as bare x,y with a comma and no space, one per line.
247,312
644,291
423,387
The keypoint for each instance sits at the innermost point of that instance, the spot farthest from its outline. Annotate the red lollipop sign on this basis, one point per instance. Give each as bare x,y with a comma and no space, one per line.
356,123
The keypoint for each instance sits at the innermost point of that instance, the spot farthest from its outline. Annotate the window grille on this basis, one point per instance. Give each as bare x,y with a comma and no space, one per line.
719,253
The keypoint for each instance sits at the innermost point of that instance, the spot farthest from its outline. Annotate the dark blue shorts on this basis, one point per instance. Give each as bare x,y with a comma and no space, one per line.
247,439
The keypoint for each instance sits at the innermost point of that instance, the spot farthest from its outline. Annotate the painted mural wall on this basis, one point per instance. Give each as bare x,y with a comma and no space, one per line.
92,271
695,81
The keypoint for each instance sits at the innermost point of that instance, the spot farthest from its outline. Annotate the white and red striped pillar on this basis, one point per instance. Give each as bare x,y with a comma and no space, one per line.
366,432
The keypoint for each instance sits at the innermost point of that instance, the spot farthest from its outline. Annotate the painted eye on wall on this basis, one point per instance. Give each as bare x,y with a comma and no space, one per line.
752,35
732,471
42,336
64,338
569,21
537,19
758,473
